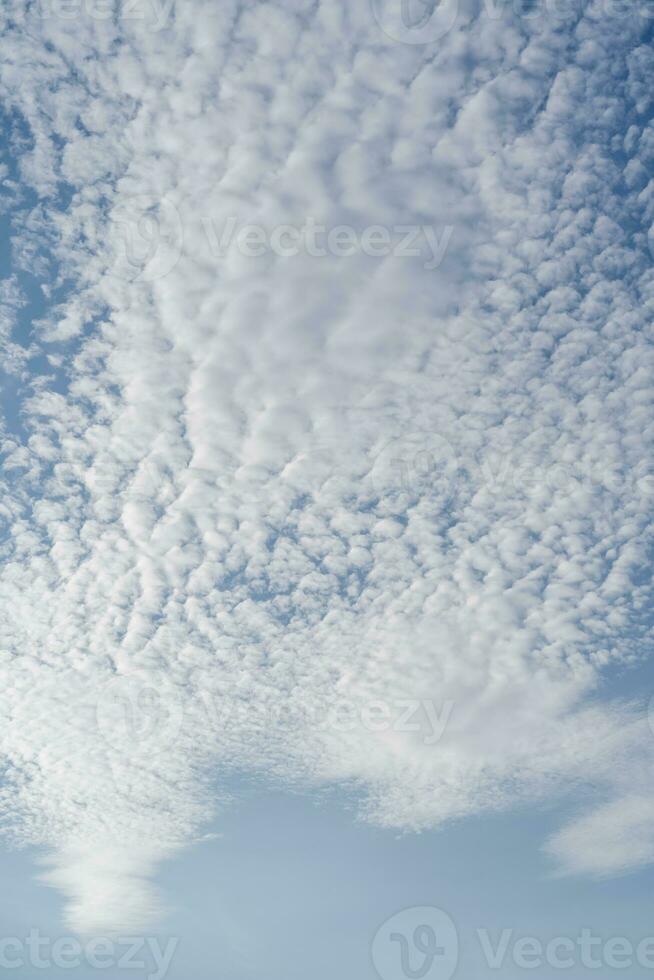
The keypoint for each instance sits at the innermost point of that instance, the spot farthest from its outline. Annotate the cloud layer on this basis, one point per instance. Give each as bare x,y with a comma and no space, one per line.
246,495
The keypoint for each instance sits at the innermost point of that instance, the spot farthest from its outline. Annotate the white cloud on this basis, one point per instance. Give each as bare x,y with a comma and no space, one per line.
199,510
612,839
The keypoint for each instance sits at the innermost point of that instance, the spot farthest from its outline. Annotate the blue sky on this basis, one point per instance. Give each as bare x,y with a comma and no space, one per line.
293,885
326,445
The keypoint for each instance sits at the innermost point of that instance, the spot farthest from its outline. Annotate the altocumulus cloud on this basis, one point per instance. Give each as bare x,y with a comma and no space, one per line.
200,505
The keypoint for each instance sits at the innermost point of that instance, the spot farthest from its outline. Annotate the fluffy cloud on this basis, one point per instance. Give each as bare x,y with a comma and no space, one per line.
342,518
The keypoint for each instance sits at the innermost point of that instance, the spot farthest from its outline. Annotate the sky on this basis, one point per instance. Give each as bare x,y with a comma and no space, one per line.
327,482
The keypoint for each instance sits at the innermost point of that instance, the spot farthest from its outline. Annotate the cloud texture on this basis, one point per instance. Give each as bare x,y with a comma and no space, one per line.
245,497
